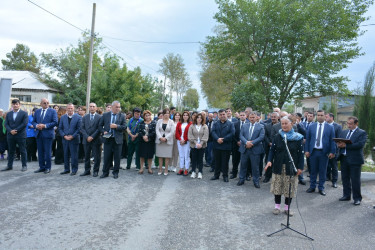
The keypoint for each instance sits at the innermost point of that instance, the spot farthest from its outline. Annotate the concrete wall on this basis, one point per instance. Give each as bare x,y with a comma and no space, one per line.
5,90
36,95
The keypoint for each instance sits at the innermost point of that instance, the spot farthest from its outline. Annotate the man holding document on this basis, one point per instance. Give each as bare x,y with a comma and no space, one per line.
351,158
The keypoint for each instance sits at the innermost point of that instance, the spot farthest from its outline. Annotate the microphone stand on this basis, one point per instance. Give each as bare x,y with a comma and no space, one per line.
293,171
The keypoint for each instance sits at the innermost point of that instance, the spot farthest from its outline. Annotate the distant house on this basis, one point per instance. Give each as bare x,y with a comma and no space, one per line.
344,105
27,87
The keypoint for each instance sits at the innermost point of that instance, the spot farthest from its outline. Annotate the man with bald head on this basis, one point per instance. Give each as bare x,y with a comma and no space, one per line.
45,119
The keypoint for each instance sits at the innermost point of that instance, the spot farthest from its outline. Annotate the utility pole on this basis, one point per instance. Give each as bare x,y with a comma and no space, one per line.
88,92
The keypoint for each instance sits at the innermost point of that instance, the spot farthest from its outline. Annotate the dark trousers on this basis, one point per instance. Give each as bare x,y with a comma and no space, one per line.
268,173
332,170
59,155
208,153
133,147
81,151
124,153
221,162
246,158
31,148
112,152
12,142
318,164
351,178
94,149
197,159
261,158
236,156
308,163
54,144
70,153
44,151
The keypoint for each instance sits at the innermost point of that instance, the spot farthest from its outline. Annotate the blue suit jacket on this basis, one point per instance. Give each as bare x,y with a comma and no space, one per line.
50,120
223,130
72,129
257,138
19,124
354,151
329,145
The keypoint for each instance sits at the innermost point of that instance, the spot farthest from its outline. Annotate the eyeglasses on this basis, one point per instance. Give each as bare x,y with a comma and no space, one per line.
44,102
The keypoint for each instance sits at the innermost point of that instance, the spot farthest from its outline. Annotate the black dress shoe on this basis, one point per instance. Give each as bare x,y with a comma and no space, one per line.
85,173
212,170
248,178
357,203
334,184
344,198
240,183
256,185
73,173
65,172
95,174
310,190
115,176
7,169
47,171
302,182
24,168
39,170
233,176
225,179
321,192
266,180
104,176
214,178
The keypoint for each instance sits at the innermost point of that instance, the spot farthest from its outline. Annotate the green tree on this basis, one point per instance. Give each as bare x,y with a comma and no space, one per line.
245,95
21,58
292,48
191,99
365,106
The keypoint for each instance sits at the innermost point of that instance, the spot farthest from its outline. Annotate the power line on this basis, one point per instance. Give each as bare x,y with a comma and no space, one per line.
371,24
152,42
57,16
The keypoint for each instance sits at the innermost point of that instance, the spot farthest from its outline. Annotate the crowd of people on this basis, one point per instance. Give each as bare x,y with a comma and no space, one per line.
272,149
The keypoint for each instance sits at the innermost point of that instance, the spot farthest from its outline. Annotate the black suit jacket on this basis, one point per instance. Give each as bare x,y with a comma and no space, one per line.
354,151
105,122
19,124
91,128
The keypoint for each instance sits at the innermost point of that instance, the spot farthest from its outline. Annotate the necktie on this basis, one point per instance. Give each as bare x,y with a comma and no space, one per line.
241,125
42,116
350,133
307,126
251,130
319,135
113,121
92,117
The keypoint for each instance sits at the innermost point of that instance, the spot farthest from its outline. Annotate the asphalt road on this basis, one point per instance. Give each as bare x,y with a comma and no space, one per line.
39,211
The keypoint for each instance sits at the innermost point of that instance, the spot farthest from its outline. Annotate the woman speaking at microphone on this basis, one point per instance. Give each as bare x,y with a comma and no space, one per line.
283,171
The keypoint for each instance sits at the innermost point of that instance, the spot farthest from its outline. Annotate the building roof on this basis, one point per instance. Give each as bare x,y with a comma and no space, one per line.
25,80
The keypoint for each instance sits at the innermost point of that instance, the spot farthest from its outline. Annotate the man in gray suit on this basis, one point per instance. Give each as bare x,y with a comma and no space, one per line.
91,139
112,125
251,136
16,123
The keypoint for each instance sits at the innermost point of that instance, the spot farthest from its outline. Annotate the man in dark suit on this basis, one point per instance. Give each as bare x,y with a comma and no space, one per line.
319,147
230,117
45,119
112,125
91,140
222,134
208,153
236,155
69,128
15,124
251,136
308,121
332,169
268,142
351,158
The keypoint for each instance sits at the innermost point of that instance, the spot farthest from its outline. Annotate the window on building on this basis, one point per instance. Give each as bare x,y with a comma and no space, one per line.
23,98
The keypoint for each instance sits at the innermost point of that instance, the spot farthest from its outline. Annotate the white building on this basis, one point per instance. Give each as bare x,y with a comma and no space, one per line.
27,87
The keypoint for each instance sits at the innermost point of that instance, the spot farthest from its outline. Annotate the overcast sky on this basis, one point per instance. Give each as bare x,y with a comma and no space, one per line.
141,20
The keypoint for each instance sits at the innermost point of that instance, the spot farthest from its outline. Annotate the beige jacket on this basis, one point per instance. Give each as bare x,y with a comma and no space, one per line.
193,135
169,131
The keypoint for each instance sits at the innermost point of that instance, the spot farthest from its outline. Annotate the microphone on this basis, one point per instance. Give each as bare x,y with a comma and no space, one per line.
285,138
